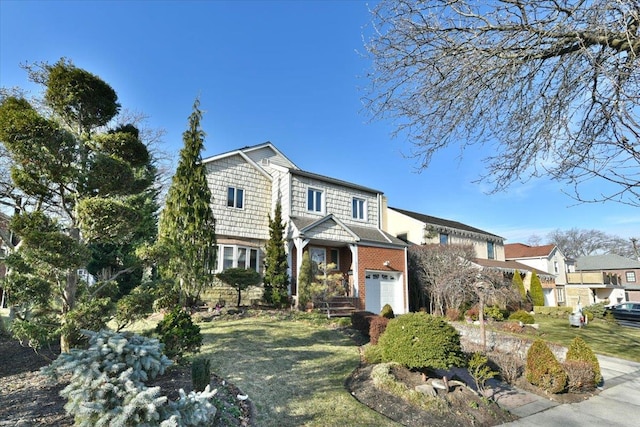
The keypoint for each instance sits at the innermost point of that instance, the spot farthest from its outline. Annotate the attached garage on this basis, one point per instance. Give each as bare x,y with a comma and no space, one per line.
384,288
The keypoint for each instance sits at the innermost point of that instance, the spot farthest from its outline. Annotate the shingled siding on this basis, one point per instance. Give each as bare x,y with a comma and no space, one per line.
338,201
252,220
329,230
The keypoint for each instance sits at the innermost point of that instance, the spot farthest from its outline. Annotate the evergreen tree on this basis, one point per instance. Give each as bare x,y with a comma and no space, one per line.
240,279
186,233
537,295
518,284
81,188
276,277
305,281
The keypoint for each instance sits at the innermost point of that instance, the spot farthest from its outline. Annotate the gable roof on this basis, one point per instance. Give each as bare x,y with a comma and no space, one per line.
520,250
250,152
605,262
359,234
427,219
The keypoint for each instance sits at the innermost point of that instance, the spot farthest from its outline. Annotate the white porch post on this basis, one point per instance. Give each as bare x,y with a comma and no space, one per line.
354,265
300,244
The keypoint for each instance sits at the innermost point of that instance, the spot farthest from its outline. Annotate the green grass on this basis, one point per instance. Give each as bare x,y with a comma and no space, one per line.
294,371
607,338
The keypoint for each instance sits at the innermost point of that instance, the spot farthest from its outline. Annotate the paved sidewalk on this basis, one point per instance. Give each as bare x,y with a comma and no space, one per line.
618,404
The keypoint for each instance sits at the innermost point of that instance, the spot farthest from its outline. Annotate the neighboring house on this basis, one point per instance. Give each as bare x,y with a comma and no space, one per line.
604,278
335,221
420,229
546,258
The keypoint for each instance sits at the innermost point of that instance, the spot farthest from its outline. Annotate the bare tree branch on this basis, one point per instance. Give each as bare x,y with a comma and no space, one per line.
551,85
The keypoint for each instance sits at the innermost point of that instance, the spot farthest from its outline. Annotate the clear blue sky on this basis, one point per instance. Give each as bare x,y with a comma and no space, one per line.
289,72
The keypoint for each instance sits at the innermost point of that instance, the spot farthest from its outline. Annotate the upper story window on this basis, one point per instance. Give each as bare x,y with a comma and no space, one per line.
239,257
630,276
359,209
491,250
555,267
444,239
315,200
235,197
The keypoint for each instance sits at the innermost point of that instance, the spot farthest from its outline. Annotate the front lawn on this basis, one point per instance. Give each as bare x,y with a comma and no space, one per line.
294,372
607,338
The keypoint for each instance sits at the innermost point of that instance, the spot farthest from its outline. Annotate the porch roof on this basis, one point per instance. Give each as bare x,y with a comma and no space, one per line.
360,234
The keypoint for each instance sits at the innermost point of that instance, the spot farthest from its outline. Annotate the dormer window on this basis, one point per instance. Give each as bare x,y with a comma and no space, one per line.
359,209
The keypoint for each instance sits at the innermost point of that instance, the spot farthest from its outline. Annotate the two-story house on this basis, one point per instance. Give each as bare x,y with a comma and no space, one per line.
546,258
420,229
604,278
335,221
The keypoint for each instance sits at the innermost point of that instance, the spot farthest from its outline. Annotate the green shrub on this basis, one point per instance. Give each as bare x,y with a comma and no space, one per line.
580,375
106,384
522,316
560,312
535,290
595,310
494,312
179,334
543,369
361,321
580,350
480,370
377,328
419,340
387,311
200,373
372,354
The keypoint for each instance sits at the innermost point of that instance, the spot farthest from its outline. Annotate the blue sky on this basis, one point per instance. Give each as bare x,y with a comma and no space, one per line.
289,72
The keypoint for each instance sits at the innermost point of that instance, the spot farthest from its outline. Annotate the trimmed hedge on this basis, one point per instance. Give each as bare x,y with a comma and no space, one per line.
580,351
419,340
522,316
377,328
361,321
543,369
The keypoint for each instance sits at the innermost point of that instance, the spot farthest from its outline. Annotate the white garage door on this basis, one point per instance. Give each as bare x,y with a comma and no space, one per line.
383,288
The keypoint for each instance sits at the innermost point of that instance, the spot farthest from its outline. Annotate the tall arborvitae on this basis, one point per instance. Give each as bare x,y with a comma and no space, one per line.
187,226
276,277
537,295
518,284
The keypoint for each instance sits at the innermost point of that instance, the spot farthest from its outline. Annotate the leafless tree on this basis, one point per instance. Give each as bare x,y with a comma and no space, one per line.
445,273
552,86
576,242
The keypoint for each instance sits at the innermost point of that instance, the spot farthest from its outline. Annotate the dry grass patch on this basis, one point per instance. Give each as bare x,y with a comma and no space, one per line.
294,372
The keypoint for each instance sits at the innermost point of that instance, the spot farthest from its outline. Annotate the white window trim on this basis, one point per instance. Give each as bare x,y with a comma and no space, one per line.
322,200
236,251
363,212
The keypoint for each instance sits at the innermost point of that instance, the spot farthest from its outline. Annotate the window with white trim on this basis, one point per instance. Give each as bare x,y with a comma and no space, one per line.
359,209
235,197
631,276
560,294
315,200
239,257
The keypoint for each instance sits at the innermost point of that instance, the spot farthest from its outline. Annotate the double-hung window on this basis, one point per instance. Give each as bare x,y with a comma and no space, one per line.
315,200
239,257
235,197
359,211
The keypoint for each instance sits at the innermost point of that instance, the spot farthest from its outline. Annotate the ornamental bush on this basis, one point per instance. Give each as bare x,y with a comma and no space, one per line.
580,375
580,350
522,316
361,321
377,327
107,385
387,311
179,334
419,340
543,369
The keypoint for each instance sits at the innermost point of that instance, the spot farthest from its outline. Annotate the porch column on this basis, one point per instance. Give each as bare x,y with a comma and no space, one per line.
300,244
354,268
